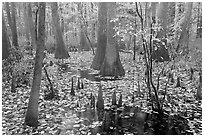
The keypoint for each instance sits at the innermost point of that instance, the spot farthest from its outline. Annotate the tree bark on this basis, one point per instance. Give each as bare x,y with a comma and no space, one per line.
83,45
199,21
111,65
25,18
36,19
11,16
184,36
31,118
162,15
31,26
5,40
61,51
14,28
8,12
101,36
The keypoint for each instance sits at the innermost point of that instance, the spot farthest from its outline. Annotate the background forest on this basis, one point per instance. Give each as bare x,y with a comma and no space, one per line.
102,68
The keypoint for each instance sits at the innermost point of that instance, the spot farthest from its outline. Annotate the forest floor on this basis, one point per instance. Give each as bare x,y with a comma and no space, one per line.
73,114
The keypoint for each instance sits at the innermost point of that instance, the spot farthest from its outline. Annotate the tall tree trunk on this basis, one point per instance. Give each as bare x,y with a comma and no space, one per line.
5,40
31,26
161,52
199,21
60,51
171,11
83,39
134,37
153,9
62,25
184,36
11,16
93,25
25,18
111,65
36,19
101,36
162,15
14,28
8,12
31,118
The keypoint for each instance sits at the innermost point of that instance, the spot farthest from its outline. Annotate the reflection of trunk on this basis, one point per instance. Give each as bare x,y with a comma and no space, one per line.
60,52
184,36
111,65
101,36
31,118
5,40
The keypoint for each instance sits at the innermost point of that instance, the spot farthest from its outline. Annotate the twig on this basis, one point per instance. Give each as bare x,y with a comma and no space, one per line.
51,86
160,75
85,24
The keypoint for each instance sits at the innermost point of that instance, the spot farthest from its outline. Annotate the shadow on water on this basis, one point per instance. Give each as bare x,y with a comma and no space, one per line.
113,121
95,76
129,120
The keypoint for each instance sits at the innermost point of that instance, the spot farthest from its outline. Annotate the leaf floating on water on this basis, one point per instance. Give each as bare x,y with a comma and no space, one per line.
76,126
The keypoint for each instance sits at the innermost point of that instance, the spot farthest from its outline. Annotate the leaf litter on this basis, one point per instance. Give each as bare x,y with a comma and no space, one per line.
74,115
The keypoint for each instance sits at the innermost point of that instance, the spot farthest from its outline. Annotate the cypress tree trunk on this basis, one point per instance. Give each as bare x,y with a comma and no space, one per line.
14,28
101,36
162,14
31,25
184,36
111,65
8,12
25,18
11,16
31,118
61,51
83,45
199,21
5,40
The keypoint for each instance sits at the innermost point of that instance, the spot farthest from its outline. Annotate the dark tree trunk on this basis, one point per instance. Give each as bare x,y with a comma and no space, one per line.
36,20
61,51
5,40
199,21
83,45
25,18
101,36
161,52
31,118
31,25
14,28
111,65
8,12
184,36
11,16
